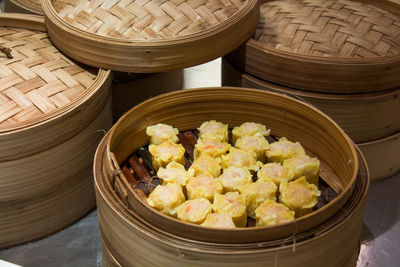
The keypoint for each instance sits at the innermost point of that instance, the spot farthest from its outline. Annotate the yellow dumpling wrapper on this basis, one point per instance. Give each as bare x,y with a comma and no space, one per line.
303,165
274,172
283,149
159,133
218,220
206,164
165,153
249,129
254,144
174,173
166,198
204,186
213,130
210,147
299,196
234,177
195,210
234,205
271,213
256,193
240,158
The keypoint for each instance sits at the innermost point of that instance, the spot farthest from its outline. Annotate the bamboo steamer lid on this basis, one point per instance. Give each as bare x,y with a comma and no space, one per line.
52,111
339,46
287,117
364,117
129,239
149,36
23,6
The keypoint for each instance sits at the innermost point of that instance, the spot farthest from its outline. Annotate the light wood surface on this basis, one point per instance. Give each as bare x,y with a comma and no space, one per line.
130,240
187,109
23,6
364,117
149,36
336,46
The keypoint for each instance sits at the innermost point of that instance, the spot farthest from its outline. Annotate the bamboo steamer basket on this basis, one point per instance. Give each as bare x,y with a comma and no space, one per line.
52,114
187,109
364,117
130,89
149,36
382,156
23,6
369,119
339,46
130,240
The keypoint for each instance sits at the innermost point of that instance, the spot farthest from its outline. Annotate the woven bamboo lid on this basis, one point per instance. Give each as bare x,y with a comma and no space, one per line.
149,35
41,89
334,45
23,6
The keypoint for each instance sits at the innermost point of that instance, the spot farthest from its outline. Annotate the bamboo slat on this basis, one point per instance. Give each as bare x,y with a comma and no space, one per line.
364,117
130,91
130,240
23,6
40,84
149,36
187,109
53,113
338,46
382,156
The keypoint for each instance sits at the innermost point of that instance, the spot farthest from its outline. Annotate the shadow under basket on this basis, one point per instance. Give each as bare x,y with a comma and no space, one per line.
187,109
128,239
23,6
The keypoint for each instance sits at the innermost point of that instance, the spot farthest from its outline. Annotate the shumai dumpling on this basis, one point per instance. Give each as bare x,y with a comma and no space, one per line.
166,198
256,193
204,186
165,153
271,213
234,177
254,144
174,173
206,164
240,158
284,149
299,196
234,205
303,165
249,129
218,220
274,172
213,130
159,133
210,147
195,210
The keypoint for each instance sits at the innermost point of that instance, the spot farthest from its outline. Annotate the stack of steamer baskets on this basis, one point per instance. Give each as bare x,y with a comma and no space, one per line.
134,234
342,57
53,114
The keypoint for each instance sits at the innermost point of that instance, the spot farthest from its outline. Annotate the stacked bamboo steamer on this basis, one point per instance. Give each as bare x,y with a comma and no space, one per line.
134,234
128,89
341,56
53,113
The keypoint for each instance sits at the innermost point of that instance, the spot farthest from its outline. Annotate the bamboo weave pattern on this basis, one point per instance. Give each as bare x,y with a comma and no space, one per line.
145,19
329,28
39,79
33,4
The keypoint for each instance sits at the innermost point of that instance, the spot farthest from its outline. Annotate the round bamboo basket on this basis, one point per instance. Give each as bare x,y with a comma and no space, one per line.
382,156
23,6
364,117
149,36
130,240
130,89
53,113
339,46
288,117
